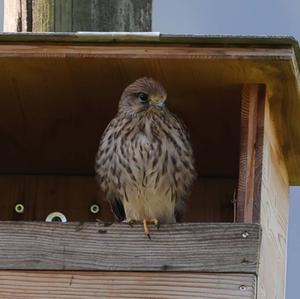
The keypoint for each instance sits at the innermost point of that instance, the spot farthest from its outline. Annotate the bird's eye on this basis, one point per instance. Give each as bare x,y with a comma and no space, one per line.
143,97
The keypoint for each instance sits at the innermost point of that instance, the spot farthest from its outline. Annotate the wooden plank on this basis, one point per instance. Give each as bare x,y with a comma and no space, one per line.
259,147
12,16
88,285
43,15
142,51
211,199
63,16
78,15
250,170
274,214
81,15
126,15
215,247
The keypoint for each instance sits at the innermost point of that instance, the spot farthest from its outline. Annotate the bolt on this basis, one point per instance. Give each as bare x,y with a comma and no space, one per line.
244,288
245,235
19,208
56,217
95,209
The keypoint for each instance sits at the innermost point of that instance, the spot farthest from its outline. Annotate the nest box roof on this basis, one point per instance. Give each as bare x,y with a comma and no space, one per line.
219,60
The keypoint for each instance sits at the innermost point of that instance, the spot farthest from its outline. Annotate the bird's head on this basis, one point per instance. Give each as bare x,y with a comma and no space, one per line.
145,94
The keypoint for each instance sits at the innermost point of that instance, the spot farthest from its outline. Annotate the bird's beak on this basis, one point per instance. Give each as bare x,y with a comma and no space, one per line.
157,101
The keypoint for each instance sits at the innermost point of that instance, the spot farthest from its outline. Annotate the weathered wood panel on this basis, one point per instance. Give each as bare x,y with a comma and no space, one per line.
88,285
274,216
93,246
77,15
43,15
63,21
211,199
250,170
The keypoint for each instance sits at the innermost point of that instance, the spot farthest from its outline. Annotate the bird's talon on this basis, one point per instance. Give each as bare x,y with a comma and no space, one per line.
156,223
130,222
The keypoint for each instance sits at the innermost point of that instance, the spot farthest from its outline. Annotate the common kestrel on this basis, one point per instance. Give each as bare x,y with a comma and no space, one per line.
145,162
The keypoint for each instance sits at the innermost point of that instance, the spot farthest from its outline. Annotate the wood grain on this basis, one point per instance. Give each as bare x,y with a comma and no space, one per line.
63,16
141,50
259,148
274,214
78,15
216,247
13,16
211,199
251,148
88,285
43,15
41,195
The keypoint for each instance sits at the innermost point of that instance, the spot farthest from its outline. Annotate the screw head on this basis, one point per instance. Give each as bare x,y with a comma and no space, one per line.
19,208
245,235
95,209
244,288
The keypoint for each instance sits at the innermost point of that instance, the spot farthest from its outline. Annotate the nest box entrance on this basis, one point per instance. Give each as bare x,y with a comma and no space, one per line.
56,106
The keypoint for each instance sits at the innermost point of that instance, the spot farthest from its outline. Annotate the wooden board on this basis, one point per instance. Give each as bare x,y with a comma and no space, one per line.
251,151
274,215
215,247
211,199
88,285
77,15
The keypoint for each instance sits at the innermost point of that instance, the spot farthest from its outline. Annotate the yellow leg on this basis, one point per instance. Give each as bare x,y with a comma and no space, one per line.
146,228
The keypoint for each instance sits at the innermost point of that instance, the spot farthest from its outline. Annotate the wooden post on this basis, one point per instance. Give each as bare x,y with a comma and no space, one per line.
274,214
77,15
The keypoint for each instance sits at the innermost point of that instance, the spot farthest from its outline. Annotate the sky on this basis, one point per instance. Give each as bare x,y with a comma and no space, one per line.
258,17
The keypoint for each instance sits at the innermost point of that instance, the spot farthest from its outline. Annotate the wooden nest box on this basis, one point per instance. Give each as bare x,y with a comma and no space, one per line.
240,100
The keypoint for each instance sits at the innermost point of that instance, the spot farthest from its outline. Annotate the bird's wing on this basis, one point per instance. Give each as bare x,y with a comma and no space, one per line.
106,171
189,174
117,208
115,202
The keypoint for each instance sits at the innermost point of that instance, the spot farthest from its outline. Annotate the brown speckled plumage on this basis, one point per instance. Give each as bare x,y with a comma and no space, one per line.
145,161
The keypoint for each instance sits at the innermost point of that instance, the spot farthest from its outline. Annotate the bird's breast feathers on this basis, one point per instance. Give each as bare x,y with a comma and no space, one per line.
148,160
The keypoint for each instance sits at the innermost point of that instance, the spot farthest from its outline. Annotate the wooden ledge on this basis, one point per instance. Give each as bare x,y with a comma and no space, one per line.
193,247
124,285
